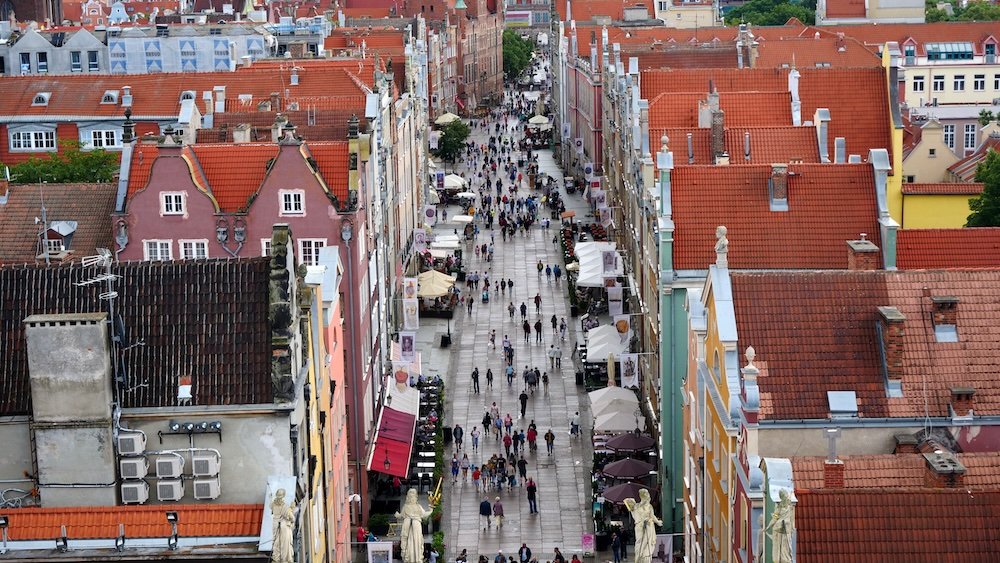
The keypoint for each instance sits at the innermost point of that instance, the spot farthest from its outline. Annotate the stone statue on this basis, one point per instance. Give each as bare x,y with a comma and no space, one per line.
410,518
645,526
721,247
283,519
758,546
781,529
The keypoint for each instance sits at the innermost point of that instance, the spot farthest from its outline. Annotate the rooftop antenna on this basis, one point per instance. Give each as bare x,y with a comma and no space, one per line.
44,221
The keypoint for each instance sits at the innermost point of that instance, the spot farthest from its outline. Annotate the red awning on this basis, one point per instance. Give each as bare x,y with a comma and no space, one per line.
393,443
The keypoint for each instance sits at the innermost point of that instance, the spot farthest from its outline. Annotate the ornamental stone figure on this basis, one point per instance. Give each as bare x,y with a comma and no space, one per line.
410,519
645,526
283,518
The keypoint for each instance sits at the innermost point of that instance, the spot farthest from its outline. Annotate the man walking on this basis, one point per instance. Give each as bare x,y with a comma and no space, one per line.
523,398
532,498
558,356
524,310
475,380
457,433
550,439
485,509
524,554
552,356
498,512
538,303
538,331
574,424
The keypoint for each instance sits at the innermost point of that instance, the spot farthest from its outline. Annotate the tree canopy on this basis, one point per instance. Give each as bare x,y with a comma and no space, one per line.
69,166
986,207
772,12
973,11
516,53
452,142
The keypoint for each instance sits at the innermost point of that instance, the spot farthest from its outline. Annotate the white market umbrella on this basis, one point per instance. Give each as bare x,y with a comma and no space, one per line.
433,283
538,120
615,421
446,245
454,181
617,405
462,218
612,394
446,118
467,195
433,198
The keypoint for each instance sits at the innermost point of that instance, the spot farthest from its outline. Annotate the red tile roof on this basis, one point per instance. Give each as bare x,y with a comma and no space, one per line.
101,522
916,526
803,52
954,188
896,471
159,94
329,124
767,144
817,333
805,236
875,36
743,109
656,82
965,169
231,185
90,205
332,160
143,156
918,249
845,8
671,56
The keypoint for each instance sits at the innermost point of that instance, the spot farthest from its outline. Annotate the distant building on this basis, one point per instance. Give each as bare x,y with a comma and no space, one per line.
837,12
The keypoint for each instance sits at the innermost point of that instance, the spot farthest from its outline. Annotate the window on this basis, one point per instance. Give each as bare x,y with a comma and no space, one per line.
909,179
93,64
193,249
54,245
265,247
75,61
43,62
25,63
918,83
949,136
662,6
979,82
291,202
102,139
959,82
309,250
939,83
932,152
172,203
157,250
33,140
949,51
996,82
970,136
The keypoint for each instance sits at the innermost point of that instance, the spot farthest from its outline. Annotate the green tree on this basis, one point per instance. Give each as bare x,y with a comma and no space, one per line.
516,53
980,11
771,12
986,207
985,117
452,141
71,165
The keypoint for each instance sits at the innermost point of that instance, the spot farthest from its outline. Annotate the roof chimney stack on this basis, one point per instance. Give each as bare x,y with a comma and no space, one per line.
718,133
892,328
778,186
822,120
944,471
241,134
962,401
862,254
905,444
746,146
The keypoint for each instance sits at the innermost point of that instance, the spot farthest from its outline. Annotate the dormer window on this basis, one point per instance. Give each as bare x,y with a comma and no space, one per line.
843,404
41,99
945,318
110,97
187,95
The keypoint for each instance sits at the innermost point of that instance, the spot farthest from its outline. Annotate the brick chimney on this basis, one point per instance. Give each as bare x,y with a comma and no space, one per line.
943,470
241,134
778,186
833,474
718,133
905,444
893,328
945,310
963,400
862,254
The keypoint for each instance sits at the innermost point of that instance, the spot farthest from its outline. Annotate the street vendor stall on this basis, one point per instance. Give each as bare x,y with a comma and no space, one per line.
437,294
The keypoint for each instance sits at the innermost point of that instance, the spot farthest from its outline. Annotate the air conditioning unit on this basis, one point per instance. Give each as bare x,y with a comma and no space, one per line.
133,467
135,492
170,489
131,443
169,467
205,464
206,489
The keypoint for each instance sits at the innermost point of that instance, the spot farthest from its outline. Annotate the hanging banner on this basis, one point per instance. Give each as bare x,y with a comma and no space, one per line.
623,324
578,143
565,130
588,170
604,216
609,260
411,314
433,139
401,375
408,346
439,178
598,197
615,304
409,288
430,215
419,244
630,370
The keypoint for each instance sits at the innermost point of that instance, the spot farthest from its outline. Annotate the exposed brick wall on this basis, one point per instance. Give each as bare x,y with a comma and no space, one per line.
833,475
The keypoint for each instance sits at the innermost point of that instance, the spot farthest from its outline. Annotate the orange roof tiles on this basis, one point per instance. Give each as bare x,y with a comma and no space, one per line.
954,188
743,109
143,156
845,8
875,36
947,525
805,52
232,185
805,236
965,169
895,471
101,522
655,82
817,333
767,144
948,248
332,160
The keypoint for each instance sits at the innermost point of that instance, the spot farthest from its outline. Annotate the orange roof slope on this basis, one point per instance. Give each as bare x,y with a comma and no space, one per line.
803,52
656,82
147,521
895,471
232,184
805,236
858,101
954,188
743,109
875,36
332,160
845,8
948,248
767,144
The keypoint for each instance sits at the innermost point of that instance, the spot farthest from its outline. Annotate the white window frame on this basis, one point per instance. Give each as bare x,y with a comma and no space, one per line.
996,82
32,140
937,83
265,247
970,134
286,199
978,82
99,139
55,245
189,249
918,84
161,246
312,257
958,83
173,203
76,61
949,136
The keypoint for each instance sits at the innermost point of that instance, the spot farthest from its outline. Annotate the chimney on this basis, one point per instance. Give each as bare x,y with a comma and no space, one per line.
840,150
944,471
220,99
718,133
862,254
963,401
126,96
690,149
128,128
892,324
905,444
206,96
822,120
294,78
945,310
275,101
241,134
833,474
353,127
277,127
746,146
778,186
793,89
841,43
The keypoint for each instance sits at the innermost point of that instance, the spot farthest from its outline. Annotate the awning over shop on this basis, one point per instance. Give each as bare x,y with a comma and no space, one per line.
433,283
454,181
393,443
602,341
592,267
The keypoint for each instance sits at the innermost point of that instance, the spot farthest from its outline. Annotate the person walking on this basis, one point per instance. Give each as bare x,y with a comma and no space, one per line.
562,329
510,310
493,333
550,440
538,303
507,443
532,490
524,311
475,438
552,356
555,323
476,476
498,514
465,467
545,382
558,356
574,424
524,554
538,331
509,371
532,438
489,378
557,557
523,398
527,330
522,467
485,510
508,423
454,468
540,267
475,380
458,433
616,547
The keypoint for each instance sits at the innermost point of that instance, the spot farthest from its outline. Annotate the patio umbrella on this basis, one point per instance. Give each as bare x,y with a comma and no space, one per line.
613,405
628,468
467,195
630,442
462,218
433,197
433,283
538,120
454,181
619,493
614,421
573,267
446,118
567,214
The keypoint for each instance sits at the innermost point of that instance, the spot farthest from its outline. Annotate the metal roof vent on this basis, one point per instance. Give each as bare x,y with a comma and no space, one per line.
843,404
